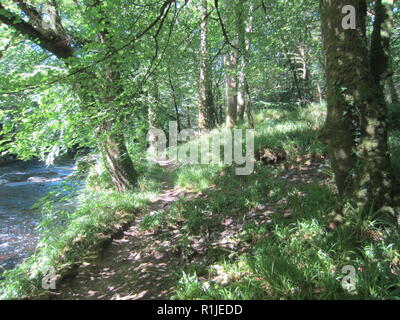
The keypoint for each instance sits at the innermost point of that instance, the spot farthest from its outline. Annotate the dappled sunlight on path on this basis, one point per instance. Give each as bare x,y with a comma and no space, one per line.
138,265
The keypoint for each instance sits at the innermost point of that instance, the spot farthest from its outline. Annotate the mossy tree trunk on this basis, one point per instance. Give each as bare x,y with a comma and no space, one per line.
118,161
112,138
356,126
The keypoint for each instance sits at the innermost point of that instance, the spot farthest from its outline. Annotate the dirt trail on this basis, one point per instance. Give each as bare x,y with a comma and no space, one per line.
139,265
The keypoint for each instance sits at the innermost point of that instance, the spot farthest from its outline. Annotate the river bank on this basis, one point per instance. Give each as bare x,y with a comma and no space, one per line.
67,239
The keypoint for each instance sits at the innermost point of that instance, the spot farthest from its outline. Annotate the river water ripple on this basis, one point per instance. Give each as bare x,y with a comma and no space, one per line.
21,185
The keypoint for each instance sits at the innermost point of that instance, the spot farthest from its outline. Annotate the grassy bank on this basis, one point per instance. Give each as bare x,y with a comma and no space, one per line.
280,246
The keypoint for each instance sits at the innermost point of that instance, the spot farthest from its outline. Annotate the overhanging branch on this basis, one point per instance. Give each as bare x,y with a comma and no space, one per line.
52,42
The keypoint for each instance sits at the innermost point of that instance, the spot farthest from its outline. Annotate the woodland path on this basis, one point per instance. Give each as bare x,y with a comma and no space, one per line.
144,265
138,265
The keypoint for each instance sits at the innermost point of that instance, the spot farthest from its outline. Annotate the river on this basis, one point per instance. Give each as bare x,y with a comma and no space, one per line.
21,185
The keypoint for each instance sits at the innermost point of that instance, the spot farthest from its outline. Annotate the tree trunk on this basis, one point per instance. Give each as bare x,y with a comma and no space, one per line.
219,104
244,23
175,99
296,80
306,84
242,57
206,103
230,63
356,129
248,108
241,96
380,41
154,98
393,96
119,163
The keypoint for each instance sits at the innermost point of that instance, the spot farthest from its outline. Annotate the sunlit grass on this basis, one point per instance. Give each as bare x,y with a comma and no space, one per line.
295,257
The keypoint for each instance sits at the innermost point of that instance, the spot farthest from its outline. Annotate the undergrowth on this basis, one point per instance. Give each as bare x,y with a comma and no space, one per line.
292,254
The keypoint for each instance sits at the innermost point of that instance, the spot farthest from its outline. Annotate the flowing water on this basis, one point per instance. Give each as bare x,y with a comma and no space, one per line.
21,185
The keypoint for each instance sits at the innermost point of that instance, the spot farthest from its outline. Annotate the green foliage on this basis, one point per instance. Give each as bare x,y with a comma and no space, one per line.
129,59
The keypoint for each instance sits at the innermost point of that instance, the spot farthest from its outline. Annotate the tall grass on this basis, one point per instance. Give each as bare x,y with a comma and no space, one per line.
292,255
